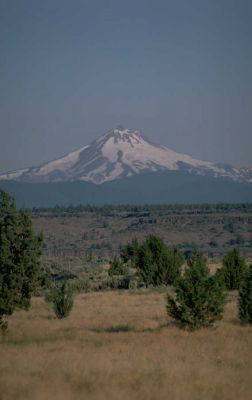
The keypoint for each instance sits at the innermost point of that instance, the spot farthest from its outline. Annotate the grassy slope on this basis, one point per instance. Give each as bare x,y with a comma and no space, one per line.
119,345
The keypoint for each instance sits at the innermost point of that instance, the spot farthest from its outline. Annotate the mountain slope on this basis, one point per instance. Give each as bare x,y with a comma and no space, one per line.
163,187
119,154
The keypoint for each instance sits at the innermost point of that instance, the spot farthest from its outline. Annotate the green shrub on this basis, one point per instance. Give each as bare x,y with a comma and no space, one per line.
111,282
81,285
119,282
199,298
128,282
116,267
133,283
62,299
158,264
233,270
130,252
245,298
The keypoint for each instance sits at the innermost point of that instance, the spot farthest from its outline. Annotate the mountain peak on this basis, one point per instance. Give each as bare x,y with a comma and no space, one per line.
122,133
117,136
122,153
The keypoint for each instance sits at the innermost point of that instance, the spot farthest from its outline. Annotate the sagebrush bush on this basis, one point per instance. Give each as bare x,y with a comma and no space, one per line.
120,282
117,267
233,270
245,298
199,298
62,299
81,285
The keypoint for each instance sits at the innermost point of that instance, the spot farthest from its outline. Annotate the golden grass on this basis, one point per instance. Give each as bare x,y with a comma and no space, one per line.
120,346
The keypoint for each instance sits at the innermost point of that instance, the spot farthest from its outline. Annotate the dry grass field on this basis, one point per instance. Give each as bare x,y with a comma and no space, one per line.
121,345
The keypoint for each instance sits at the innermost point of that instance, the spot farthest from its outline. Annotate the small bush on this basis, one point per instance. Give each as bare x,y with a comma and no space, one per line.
245,298
62,299
116,267
233,270
3,325
120,282
133,284
199,298
81,285
112,282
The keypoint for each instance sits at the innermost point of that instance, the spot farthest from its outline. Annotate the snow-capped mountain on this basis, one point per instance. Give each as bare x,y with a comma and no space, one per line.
122,153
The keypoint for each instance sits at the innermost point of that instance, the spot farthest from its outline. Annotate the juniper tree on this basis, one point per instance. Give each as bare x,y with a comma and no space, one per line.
199,298
20,250
233,270
245,298
129,252
158,264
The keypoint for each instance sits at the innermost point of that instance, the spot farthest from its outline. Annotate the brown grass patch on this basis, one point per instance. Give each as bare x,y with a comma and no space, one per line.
122,346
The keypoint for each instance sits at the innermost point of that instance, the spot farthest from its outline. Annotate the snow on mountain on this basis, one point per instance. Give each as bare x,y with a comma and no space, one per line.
61,164
121,153
13,175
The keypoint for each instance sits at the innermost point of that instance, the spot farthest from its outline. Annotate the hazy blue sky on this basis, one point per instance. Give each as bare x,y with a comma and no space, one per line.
179,71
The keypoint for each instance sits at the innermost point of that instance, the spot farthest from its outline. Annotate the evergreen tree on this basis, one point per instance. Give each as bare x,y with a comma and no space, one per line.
147,268
130,251
175,260
245,298
20,251
199,298
233,270
157,264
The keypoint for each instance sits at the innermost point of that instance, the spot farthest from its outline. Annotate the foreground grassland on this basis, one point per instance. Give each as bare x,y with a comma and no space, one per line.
121,345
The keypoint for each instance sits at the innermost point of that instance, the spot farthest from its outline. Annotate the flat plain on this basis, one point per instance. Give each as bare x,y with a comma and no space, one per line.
100,231
122,345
